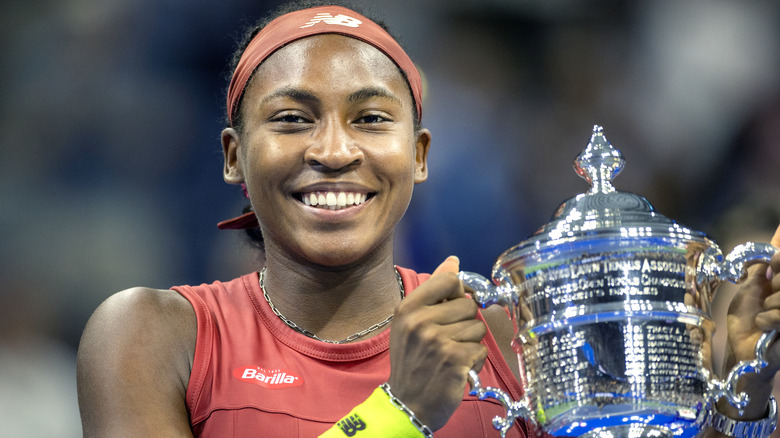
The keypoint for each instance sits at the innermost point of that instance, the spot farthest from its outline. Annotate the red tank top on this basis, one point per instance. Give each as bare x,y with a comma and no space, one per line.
254,376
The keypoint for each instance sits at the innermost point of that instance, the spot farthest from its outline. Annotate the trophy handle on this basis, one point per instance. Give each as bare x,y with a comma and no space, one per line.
728,387
487,294
514,409
734,269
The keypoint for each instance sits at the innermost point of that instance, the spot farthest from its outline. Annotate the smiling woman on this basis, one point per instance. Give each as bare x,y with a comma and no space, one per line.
324,133
329,337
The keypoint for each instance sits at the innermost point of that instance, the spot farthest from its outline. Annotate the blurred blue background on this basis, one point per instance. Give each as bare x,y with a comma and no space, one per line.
110,161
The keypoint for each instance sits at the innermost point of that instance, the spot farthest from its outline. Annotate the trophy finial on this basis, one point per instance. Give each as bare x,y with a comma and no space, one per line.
599,163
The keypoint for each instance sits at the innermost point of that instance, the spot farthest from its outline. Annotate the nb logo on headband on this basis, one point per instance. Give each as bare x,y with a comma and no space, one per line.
340,19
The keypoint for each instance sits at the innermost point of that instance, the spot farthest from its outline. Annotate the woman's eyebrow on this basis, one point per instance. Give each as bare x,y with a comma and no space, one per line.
292,93
371,92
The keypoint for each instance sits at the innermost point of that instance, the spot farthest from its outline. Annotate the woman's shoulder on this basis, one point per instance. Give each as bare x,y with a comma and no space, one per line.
145,299
140,321
135,356
143,306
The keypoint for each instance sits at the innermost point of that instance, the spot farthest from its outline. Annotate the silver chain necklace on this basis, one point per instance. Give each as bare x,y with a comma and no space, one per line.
349,338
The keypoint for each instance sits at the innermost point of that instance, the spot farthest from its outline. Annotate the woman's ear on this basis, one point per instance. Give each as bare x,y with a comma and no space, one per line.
232,172
421,156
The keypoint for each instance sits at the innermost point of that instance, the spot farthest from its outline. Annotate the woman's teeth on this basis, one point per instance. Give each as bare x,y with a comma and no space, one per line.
333,200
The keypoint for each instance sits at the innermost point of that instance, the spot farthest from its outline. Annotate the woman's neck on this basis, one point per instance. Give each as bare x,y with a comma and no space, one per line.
333,303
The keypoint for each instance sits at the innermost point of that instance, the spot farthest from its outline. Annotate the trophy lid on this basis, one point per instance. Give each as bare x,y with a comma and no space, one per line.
603,211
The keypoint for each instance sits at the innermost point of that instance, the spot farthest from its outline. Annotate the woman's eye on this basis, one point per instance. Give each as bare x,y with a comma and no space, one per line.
372,118
289,118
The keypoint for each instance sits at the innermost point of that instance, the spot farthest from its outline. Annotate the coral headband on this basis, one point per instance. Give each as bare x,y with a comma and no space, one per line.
315,21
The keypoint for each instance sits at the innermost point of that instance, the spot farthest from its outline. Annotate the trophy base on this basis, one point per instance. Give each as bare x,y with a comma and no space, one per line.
628,421
632,431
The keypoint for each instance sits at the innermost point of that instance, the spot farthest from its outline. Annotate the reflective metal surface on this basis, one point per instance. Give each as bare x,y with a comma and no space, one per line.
611,305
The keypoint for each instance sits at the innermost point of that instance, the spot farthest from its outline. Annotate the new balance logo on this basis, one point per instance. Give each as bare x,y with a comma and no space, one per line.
351,425
340,20
271,379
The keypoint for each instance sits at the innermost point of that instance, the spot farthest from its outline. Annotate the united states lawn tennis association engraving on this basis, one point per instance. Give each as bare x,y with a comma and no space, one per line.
604,279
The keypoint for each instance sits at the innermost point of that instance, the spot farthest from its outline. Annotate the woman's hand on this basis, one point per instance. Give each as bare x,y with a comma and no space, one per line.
434,342
755,310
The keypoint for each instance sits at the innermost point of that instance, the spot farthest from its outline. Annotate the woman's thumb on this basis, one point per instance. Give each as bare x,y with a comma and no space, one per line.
776,238
451,264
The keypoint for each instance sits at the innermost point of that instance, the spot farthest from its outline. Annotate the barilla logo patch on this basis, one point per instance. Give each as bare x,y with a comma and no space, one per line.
271,379
340,20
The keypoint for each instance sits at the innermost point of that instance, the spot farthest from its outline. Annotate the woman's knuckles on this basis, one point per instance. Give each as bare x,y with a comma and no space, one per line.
769,319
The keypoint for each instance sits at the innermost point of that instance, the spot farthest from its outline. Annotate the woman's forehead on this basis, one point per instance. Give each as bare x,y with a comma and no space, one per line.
328,60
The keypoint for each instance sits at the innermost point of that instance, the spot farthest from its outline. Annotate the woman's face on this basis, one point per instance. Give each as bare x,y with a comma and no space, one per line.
327,150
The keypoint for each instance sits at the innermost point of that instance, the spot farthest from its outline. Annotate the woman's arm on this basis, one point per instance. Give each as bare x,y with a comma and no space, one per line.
134,364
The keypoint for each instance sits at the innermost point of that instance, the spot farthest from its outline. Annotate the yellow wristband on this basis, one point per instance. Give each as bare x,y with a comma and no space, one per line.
376,417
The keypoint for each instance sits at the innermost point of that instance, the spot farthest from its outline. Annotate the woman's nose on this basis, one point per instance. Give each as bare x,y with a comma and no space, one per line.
333,148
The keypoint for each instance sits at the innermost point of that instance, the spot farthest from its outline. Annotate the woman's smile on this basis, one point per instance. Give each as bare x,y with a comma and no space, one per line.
333,200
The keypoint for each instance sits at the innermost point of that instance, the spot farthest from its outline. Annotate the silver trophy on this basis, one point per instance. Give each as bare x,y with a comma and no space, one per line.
611,307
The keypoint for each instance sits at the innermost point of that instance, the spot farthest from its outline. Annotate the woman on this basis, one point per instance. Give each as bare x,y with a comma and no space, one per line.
324,132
